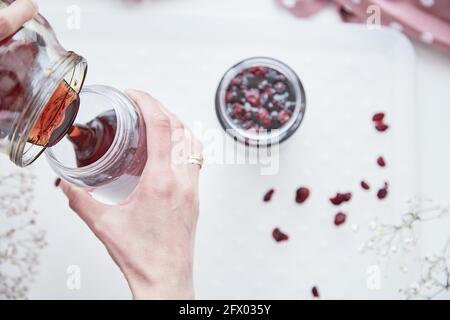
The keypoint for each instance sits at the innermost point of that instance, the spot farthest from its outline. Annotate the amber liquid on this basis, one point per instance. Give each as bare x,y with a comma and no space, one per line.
93,139
57,117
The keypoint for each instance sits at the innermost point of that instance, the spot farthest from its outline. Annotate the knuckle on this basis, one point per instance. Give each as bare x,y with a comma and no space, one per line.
161,121
165,187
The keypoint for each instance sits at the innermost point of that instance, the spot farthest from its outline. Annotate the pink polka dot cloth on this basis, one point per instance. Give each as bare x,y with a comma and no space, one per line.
425,20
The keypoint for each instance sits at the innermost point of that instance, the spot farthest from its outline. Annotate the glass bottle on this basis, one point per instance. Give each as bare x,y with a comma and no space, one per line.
39,86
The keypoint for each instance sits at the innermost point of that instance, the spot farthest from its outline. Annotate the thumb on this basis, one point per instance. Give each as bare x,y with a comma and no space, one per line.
83,203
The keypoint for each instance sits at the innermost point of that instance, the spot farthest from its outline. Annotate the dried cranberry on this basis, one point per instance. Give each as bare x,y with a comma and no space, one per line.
268,195
302,194
315,292
255,102
57,182
340,218
231,96
279,236
381,162
341,197
382,193
258,70
283,117
377,117
381,127
365,185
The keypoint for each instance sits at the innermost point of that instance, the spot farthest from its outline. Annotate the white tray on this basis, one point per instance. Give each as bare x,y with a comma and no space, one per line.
348,72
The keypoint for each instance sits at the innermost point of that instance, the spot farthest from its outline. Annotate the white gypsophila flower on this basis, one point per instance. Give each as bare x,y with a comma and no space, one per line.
20,239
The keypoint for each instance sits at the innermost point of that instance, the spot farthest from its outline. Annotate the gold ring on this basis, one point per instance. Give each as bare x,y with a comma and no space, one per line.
195,159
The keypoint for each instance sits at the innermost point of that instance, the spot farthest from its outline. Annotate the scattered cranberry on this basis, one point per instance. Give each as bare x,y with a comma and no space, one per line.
381,127
365,185
340,218
279,236
341,197
383,192
377,117
260,98
315,292
57,182
381,161
302,194
268,195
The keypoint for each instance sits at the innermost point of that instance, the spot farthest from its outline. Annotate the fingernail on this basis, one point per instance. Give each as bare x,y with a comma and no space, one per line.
57,182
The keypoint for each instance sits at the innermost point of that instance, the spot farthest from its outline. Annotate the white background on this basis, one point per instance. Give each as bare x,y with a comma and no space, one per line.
433,100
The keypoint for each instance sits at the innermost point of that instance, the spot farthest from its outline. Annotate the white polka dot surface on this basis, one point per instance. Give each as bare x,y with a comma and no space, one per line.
427,37
427,3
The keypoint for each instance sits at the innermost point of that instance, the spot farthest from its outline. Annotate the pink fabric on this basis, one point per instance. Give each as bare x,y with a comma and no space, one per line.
425,20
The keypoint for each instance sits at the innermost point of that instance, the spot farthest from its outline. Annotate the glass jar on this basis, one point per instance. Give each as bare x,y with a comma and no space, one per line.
112,150
39,83
260,101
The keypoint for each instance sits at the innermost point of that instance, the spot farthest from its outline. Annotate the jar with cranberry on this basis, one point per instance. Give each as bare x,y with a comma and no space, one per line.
260,101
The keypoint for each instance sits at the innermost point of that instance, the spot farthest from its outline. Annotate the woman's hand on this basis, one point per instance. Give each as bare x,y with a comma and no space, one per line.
151,236
15,15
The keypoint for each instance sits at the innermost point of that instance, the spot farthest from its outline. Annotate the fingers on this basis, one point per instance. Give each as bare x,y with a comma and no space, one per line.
158,128
89,209
14,16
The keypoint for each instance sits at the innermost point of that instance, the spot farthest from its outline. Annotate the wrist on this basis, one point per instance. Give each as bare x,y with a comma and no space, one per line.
164,288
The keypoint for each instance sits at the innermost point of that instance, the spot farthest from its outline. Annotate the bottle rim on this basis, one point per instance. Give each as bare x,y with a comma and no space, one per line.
71,66
268,137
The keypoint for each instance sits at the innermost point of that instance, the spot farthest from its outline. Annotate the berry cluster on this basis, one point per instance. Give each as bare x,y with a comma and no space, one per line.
260,98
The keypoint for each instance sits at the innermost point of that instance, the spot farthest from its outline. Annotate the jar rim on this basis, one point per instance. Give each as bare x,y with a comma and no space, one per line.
121,106
270,136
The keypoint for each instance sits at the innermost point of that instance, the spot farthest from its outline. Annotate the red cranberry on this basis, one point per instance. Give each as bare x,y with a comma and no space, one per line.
341,197
279,236
302,194
255,102
57,182
283,117
231,96
381,127
381,161
365,185
315,292
382,193
377,117
268,195
340,218
258,70
264,118
236,81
